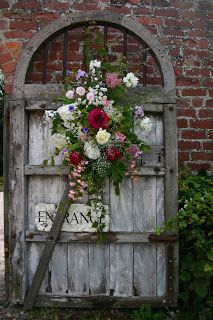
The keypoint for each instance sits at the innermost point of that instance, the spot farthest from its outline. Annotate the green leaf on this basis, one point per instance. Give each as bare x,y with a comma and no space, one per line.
52,161
45,162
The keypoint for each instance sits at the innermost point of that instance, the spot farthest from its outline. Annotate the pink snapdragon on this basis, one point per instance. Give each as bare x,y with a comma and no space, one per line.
112,80
78,185
120,137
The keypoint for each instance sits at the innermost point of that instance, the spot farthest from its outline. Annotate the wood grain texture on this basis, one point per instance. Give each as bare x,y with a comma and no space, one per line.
78,266
16,209
99,268
99,302
145,269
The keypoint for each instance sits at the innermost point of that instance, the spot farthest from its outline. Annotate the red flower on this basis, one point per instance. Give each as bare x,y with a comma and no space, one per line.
75,158
113,154
97,118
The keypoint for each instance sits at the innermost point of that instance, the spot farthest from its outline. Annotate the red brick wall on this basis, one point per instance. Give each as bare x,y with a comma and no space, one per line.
183,27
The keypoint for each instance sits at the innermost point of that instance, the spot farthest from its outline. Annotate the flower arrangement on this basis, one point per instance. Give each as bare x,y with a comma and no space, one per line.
94,132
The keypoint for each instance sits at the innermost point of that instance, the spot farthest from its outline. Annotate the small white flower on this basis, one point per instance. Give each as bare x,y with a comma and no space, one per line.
80,91
90,96
146,124
70,94
94,64
130,80
102,136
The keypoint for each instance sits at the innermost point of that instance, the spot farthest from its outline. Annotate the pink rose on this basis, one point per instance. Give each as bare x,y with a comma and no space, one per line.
112,80
120,137
80,91
70,94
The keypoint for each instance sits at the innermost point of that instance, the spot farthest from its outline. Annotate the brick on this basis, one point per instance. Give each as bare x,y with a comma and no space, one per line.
148,21
86,6
165,12
28,5
208,145
142,10
23,25
186,112
9,67
202,44
206,113
202,124
8,88
195,53
198,72
197,34
174,32
208,83
178,24
183,81
5,57
45,16
13,45
18,34
211,93
4,4
3,25
194,92
191,15
183,156
197,102
182,123
188,145
58,6
209,103
135,2
180,4
202,156
192,134
199,166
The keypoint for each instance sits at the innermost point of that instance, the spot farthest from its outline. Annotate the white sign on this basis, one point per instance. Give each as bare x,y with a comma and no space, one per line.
76,219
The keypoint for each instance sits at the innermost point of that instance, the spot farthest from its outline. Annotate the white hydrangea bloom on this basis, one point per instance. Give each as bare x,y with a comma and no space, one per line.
65,113
130,80
146,124
59,140
91,150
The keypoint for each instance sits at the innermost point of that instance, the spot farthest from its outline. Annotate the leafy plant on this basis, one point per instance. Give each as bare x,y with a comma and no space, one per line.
194,223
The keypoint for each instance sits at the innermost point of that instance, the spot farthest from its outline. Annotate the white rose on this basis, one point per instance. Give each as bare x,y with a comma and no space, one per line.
70,94
130,80
91,150
59,140
80,91
102,136
146,124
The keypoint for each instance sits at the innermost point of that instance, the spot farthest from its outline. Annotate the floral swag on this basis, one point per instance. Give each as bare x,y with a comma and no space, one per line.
95,133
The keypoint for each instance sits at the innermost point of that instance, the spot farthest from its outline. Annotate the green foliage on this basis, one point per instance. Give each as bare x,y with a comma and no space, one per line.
146,313
194,222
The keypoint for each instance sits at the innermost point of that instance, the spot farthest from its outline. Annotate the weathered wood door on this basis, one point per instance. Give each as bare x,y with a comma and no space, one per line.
133,266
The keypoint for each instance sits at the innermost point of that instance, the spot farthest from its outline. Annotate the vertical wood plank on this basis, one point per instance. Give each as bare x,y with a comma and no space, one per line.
121,270
34,254
121,255
78,266
99,268
161,250
144,204
43,190
57,270
145,269
16,210
6,159
171,177
40,142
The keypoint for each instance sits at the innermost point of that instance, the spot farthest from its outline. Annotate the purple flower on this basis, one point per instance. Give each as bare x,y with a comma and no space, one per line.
85,130
71,107
132,150
139,113
64,152
80,73
138,154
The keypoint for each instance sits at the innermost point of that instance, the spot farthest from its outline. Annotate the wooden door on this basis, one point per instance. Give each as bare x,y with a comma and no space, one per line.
133,266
